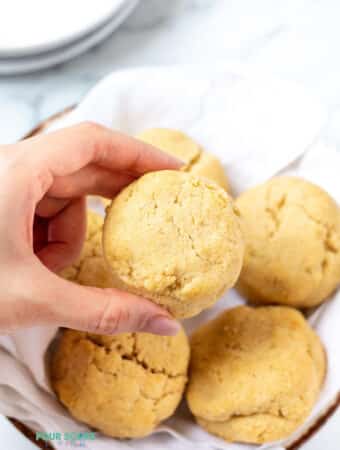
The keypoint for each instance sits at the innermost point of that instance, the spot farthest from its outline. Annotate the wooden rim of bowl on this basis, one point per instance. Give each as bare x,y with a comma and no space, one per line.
297,444
48,122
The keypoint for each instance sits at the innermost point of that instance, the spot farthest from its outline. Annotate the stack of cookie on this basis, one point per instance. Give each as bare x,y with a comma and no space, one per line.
180,240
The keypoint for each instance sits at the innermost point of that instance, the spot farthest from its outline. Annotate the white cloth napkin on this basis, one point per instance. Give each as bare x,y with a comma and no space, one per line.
258,127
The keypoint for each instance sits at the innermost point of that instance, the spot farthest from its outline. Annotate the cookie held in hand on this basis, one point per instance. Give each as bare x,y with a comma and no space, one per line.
174,238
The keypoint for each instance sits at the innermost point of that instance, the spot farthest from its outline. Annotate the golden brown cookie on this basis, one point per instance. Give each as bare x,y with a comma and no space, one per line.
197,161
174,238
91,269
122,385
292,234
255,373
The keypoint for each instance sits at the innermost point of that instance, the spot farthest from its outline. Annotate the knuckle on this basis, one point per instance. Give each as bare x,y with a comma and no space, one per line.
89,127
4,152
63,188
138,158
43,179
142,322
112,319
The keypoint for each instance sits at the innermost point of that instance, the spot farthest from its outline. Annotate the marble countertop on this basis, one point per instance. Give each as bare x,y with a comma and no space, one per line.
293,39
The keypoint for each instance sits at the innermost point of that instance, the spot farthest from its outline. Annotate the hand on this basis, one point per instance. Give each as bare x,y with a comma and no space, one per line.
44,181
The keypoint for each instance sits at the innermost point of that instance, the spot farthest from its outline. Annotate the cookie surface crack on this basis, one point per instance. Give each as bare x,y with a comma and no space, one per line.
274,212
134,357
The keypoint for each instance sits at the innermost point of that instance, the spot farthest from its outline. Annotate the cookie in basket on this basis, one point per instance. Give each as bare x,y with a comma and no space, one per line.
292,243
255,373
197,160
122,385
90,269
174,238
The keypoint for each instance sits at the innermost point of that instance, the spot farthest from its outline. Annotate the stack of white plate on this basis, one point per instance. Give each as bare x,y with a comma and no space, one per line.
36,34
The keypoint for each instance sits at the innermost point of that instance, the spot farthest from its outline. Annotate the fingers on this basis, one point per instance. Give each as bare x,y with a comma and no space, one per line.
102,311
69,150
50,206
66,232
91,180
40,233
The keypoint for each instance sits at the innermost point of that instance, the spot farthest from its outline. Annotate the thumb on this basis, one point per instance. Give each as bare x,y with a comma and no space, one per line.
101,311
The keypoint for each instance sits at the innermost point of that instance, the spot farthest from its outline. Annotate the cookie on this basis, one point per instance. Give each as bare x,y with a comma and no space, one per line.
91,269
174,238
255,373
122,385
291,229
197,161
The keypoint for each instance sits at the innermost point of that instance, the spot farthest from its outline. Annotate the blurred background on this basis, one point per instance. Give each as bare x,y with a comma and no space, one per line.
52,53
294,39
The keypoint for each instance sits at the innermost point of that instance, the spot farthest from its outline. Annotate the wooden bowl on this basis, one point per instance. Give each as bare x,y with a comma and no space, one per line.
298,444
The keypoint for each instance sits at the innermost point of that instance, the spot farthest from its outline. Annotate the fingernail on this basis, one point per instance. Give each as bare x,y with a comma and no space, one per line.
179,163
163,325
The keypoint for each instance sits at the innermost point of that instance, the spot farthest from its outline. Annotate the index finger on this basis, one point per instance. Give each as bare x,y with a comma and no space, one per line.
66,151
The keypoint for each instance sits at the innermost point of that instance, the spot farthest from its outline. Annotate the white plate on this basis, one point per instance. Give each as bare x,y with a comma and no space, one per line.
27,64
29,27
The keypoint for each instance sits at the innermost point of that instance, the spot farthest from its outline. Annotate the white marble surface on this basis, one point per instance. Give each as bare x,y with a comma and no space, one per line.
294,39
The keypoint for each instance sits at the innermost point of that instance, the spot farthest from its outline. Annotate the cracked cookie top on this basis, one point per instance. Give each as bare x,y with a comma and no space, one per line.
174,238
122,385
255,373
292,234
197,161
